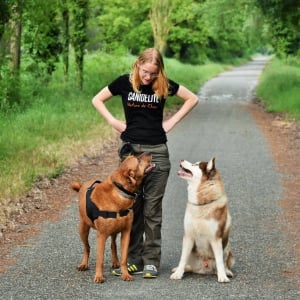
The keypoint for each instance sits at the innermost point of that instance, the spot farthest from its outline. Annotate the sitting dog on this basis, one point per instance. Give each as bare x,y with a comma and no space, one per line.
205,248
106,207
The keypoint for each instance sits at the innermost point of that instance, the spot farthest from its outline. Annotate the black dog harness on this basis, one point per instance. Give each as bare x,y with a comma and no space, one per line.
94,213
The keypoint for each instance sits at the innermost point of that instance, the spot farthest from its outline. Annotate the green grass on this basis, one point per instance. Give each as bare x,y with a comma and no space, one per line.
58,123
279,88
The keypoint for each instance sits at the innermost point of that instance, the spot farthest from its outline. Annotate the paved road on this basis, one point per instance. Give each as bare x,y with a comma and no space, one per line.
220,126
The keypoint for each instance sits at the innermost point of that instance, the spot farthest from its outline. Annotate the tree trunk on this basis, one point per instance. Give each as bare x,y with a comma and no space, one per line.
15,28
15,40
79,36
160,21
66,40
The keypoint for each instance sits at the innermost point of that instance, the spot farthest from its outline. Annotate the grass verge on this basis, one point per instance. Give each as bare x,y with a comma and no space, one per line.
279,88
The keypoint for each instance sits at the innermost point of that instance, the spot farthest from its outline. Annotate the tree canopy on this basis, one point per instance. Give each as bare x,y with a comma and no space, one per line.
283,20
36,34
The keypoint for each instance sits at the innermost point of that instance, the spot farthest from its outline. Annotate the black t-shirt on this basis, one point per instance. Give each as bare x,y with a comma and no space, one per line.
143,111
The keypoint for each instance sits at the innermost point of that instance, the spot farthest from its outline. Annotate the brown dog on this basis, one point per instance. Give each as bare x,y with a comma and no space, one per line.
106,207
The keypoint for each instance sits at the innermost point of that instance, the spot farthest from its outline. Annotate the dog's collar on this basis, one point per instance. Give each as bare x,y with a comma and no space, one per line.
126,193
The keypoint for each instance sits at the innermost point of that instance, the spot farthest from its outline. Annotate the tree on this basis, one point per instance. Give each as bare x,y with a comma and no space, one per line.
79,36
42,36
283,17
118,25
4,16
65,12
187,39
225,21
10,47
15,38
135,25
161,22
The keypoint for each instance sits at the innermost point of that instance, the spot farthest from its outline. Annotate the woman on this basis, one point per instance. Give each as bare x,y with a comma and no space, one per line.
143,94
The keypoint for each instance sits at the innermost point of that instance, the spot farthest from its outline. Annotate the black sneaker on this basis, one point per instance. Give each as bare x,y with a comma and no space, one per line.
150,271
132,269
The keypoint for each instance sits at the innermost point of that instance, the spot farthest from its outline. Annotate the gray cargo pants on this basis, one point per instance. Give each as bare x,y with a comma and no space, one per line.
145,238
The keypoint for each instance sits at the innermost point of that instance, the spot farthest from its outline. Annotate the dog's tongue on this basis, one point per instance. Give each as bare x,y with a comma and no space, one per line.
184,173
150,168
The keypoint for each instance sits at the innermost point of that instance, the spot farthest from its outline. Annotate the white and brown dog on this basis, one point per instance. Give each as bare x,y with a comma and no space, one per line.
205,248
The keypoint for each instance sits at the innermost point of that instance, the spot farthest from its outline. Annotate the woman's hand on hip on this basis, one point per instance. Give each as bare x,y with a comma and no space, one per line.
118,125
168,125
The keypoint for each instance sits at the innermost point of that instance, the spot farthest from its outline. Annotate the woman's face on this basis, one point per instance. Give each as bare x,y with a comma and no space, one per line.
148,72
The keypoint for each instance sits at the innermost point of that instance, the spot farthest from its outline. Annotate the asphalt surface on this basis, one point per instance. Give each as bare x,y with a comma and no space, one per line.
219,126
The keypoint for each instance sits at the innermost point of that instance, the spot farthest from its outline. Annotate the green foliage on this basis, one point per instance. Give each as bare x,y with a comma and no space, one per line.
227,22
41,36
201,31
187,40
283,18
122,24
279,88
9,90
4,16
79,35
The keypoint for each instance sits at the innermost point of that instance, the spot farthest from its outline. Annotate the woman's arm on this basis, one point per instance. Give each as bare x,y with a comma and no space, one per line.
98,102
190,101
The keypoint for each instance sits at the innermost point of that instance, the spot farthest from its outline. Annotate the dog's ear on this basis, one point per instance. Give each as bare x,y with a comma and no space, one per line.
131,177
210,168
210,165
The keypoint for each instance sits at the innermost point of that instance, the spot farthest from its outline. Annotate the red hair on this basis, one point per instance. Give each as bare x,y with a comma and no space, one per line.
160,83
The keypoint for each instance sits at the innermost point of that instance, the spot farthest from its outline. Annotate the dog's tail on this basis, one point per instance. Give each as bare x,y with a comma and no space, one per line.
76,186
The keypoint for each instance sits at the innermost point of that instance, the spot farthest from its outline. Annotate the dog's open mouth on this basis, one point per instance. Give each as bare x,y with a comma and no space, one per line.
150,168
185,172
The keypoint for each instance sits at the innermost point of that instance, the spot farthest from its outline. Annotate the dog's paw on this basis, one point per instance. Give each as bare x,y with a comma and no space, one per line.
99,278
82,267
229,273
223,279
176,275
126,277
115,265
